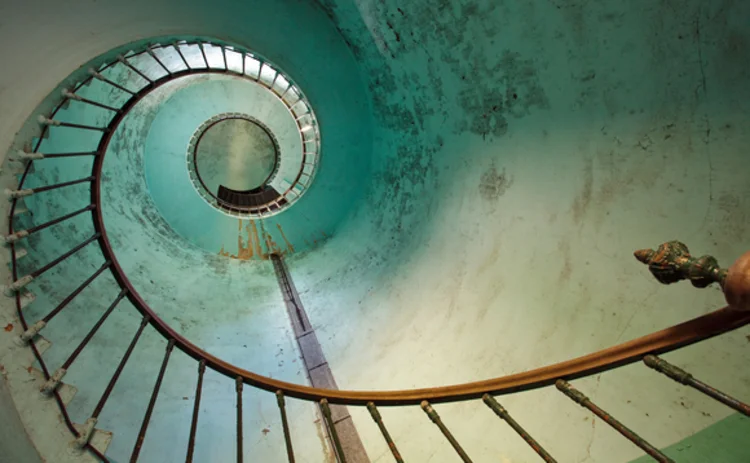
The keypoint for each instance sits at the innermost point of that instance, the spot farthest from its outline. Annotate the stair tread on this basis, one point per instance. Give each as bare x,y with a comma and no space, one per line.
66,391
100,439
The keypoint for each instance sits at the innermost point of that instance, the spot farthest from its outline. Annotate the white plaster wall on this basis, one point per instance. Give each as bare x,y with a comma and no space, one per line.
262,336
511,250
14,442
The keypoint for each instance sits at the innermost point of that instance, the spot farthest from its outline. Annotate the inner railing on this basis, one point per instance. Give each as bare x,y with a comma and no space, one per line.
645,349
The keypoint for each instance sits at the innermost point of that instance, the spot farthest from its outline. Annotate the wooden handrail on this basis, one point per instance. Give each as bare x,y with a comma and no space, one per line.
706,326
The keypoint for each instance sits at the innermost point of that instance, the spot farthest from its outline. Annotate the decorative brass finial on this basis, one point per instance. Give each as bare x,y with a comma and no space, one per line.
672,262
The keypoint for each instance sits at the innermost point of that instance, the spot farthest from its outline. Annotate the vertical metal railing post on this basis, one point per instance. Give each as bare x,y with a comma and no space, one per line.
444,429
683,377
585,402
196,411
239,386
501,412
379,421
326,409
285,425
151,404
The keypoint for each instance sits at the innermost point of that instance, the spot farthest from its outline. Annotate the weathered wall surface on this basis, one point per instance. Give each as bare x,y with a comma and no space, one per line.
14,443
242,317
522,151
525,150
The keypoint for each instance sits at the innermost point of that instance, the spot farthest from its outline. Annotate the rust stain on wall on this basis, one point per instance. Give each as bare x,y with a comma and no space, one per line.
271,246
254,241
289,246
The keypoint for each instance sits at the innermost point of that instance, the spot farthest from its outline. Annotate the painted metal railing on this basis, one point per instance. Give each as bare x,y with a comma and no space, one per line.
670,263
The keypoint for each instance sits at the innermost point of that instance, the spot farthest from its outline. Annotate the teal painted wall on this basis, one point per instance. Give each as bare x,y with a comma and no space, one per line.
721,442
509,159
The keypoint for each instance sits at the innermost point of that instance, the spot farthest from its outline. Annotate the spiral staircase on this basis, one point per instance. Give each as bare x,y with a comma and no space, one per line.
95,101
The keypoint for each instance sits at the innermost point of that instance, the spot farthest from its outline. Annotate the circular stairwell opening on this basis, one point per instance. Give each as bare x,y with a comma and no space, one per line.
237,153
235,158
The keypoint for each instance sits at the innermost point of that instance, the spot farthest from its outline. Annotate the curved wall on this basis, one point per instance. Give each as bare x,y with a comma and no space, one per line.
241,316
522,151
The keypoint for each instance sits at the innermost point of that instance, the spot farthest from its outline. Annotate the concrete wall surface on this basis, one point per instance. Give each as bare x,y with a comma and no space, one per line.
488,169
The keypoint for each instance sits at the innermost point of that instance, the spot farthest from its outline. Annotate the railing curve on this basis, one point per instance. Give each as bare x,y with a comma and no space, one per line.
646,347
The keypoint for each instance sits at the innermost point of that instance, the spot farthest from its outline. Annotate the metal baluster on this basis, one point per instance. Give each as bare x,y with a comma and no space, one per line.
244,57
295,104
72,96
88,427
55,123
332,428
151,53
196,410
289,86
25,156
239,386
13,237
379,421
285,425
55,379
98,76
25,280
203,52
75,293
683,377
12,194
585,402
179,52
42,270
124,61
436,419
152,402
224,54
505,416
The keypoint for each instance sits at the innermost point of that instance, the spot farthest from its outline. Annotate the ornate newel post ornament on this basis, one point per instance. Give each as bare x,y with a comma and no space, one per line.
671,262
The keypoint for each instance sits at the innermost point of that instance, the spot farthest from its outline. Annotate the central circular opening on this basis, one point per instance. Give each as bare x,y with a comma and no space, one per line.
236,153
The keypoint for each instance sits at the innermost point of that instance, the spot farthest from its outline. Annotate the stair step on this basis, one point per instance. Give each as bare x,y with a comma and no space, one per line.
66,391
100,439
42,344
27,298
20,254
41,417
15,168
20,211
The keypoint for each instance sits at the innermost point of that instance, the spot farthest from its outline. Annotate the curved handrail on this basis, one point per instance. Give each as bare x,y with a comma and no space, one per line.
665,340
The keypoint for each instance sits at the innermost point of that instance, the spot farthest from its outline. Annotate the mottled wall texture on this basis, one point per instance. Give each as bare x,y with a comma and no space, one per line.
509,158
